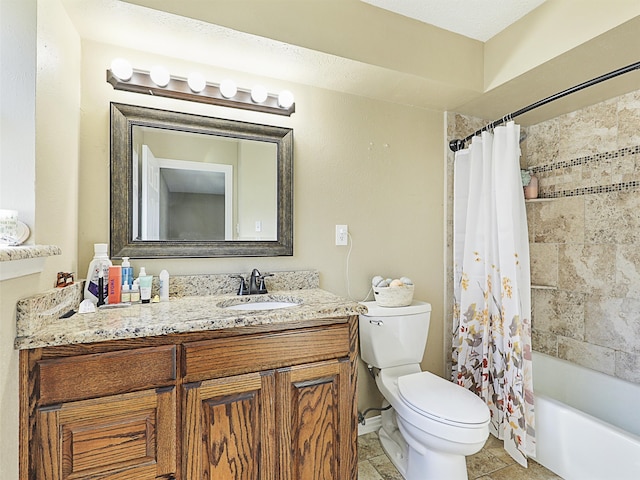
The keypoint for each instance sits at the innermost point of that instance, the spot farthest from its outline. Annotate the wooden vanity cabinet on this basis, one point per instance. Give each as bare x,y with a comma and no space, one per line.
285,414
259,403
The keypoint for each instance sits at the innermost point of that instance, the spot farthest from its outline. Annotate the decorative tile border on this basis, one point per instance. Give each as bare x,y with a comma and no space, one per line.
623,152
576,192
587,160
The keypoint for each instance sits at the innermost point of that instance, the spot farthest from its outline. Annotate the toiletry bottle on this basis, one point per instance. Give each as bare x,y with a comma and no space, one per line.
135,291
164,286
127,272
100,262
125,296
145,288
115,284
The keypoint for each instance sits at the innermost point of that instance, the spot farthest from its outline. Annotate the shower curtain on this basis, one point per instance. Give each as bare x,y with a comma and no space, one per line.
492,286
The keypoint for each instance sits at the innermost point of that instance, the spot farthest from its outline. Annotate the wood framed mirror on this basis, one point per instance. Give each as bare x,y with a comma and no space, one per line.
185,185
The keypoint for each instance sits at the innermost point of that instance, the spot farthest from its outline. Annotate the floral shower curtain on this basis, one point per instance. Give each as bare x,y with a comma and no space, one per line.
492,286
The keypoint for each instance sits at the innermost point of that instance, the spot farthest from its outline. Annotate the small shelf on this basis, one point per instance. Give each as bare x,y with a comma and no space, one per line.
543,287
24,260
538,200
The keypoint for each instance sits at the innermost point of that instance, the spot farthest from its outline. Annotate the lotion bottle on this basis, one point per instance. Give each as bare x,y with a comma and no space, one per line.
139,281
100,262
145,288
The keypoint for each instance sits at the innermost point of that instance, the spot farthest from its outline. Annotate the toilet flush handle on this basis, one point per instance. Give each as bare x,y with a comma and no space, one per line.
377,322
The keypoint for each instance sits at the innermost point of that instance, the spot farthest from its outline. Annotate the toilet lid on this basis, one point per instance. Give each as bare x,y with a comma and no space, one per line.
442,400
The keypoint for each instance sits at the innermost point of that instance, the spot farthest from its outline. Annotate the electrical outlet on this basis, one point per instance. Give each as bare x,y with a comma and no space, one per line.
258,226
341,235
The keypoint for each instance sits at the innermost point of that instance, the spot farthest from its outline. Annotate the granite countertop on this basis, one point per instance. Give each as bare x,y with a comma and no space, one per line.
23,252
179,315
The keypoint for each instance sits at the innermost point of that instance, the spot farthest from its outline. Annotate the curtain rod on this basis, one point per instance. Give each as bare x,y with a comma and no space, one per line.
458,144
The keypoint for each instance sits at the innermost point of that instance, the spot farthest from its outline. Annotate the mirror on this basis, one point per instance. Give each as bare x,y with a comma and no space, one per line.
186,185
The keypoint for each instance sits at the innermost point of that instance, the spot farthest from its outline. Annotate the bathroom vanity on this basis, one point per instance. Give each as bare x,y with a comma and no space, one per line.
189,389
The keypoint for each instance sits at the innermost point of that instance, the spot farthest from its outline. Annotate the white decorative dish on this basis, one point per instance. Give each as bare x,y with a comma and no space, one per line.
23,233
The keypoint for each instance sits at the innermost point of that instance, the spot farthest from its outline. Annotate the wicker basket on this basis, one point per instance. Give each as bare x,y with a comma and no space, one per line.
393,296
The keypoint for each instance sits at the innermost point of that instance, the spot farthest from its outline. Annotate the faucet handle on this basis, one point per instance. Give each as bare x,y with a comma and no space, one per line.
242,289
263,288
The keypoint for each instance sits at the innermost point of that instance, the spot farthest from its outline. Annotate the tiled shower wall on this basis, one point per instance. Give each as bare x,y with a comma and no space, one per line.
584,235
585,240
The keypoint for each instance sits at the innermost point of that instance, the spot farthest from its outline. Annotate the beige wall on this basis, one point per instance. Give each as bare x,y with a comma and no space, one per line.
374,166
56,162
18,58
551,30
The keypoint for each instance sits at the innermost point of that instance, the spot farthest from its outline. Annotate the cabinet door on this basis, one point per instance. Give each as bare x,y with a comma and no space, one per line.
313,409
129,436
228,428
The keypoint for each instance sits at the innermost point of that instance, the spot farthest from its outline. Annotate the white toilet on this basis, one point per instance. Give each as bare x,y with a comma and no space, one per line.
433,423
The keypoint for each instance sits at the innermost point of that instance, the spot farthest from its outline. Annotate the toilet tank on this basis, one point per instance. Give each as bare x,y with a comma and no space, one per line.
394,336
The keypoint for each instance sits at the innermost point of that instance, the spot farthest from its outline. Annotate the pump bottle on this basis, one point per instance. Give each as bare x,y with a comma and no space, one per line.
127,272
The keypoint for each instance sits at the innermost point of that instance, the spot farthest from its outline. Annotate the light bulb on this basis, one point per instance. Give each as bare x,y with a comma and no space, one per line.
121,69
259,94
160,76
228,89
285,99
196,82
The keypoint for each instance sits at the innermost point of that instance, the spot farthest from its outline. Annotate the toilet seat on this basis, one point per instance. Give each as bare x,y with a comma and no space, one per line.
442,401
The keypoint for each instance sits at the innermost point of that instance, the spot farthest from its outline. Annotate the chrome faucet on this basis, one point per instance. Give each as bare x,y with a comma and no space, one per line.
253,282
256,283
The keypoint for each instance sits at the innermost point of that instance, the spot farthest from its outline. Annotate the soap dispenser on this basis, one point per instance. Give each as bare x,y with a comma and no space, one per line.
127,272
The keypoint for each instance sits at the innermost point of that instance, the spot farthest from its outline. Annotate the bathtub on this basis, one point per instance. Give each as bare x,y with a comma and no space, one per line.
587,423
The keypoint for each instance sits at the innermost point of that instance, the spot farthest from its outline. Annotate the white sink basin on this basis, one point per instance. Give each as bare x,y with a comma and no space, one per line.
261,306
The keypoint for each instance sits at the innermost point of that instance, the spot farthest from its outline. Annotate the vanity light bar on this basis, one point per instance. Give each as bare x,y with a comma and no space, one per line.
178,88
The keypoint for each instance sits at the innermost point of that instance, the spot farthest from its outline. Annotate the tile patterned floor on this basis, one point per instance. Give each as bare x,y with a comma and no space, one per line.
490,463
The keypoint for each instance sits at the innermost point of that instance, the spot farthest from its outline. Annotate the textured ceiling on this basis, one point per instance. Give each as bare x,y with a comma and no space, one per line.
354,47
477,19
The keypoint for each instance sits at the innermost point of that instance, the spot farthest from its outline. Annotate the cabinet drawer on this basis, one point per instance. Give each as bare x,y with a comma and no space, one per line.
251,353
88,376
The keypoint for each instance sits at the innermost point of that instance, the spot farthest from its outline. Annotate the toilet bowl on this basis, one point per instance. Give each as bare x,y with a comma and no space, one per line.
440,422
433,424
